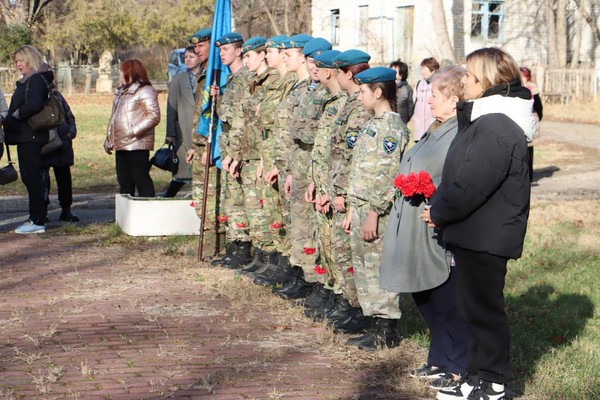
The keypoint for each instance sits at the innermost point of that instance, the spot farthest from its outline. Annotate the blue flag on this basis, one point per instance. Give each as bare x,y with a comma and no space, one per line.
215,70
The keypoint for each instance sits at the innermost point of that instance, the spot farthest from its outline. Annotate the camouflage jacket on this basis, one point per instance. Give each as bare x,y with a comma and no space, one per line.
229,104
282,139
305,120
321,153
267,113
375,160
347,126
246,134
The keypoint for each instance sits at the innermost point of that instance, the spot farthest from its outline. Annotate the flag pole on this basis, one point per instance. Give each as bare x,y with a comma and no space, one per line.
206,173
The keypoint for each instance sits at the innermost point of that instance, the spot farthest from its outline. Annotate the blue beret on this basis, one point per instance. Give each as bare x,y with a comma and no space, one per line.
201,36
326,58
376,74
228,38
253,43
351,57
296,41
276,41
316,46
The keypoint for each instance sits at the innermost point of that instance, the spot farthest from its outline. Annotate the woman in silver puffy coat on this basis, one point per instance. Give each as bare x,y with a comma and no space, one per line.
130,132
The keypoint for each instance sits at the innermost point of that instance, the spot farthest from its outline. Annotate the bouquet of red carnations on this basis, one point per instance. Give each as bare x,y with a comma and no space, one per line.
414,184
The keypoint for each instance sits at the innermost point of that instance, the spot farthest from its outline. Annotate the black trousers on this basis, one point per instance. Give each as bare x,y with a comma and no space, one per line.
530,164
64,184
449,333
480,300
133,172
30,167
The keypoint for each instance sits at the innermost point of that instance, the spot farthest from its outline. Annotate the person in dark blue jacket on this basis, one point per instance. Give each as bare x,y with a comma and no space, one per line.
482,206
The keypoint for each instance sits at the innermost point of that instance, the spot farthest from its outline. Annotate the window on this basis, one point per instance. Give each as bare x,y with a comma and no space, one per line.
335,27
486,19
363,24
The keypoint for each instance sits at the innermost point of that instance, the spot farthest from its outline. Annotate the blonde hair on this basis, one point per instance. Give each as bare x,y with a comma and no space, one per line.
29,55
492,66
448,81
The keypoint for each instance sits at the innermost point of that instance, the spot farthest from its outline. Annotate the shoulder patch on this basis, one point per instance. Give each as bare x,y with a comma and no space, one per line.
331,110
371,132
351,137
317,101
390,144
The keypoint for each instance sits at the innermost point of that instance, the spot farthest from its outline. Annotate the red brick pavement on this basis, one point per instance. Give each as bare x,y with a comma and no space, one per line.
81,318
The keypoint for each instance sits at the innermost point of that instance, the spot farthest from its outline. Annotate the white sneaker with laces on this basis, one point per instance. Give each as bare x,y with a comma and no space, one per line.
29,227
461,391
488,391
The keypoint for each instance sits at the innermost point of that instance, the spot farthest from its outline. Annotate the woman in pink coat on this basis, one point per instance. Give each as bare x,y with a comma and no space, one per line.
422,117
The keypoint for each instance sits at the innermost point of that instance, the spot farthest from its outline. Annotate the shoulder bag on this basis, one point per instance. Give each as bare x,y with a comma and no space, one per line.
51,116
166,158
54,142
8,174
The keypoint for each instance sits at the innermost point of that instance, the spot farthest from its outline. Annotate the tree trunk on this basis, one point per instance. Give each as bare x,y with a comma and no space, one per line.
441,31
551,27
589,19
561,32
579,21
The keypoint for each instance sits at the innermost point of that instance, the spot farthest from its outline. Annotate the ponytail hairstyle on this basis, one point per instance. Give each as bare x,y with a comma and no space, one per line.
388,91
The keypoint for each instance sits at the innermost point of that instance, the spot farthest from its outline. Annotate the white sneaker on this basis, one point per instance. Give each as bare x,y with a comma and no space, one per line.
30,227
488,391
461,391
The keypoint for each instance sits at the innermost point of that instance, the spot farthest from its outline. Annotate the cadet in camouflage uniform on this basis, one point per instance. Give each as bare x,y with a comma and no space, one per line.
245,145
213,231
275,213
375,159
280,144
228,109
347,316
322,295
305,121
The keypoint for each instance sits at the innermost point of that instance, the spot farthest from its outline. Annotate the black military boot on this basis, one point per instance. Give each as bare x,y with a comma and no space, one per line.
229,250
384,333
268,265
317,297
256,263
341,310
355,322
282,274
318,313
240,257
297,289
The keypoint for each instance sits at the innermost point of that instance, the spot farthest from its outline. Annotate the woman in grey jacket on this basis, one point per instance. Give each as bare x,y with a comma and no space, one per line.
131,129
414,259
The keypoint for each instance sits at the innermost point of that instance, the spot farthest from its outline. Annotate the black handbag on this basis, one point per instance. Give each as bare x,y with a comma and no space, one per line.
165,158
54,142
51,116
8,174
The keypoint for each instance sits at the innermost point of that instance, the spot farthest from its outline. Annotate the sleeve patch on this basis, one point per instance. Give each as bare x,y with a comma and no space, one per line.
351,137
390,144
371,132
331,110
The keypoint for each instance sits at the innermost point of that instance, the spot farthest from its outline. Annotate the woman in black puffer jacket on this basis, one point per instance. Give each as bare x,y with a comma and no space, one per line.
29,97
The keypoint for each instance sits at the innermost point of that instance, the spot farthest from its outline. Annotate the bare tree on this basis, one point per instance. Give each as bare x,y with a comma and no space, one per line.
24,12
441,31
553,58
561,32
589,19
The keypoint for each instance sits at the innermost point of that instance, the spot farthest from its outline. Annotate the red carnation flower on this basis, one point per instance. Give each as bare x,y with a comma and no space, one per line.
310,250
262,202
351,270
222,218
319,270
192,204
240,224
414,184
276,225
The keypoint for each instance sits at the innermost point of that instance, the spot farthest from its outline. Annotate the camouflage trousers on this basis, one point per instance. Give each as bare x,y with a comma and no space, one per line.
366,259
330,276
278,216
259,225
303,231
233,207
342,259
214,231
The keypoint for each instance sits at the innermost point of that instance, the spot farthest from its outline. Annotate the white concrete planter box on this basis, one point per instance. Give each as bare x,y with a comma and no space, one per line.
143,216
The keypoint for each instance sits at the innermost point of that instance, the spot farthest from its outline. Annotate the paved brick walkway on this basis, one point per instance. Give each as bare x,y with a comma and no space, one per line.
81,318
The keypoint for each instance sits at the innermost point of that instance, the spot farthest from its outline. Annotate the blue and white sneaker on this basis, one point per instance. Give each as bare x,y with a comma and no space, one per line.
29,227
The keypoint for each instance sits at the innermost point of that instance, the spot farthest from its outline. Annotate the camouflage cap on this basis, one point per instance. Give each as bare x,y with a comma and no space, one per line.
228,38
376,74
